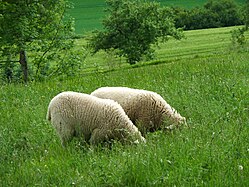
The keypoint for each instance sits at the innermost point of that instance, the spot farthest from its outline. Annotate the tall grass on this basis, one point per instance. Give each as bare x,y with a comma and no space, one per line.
213,150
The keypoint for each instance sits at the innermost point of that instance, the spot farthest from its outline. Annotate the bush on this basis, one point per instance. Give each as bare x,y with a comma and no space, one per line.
226,11
214,14
197,18
238,37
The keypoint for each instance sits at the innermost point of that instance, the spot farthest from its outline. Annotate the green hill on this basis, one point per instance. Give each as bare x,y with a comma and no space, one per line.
89,13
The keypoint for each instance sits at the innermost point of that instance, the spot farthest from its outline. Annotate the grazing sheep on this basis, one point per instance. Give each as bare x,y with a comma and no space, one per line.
146,109
97,120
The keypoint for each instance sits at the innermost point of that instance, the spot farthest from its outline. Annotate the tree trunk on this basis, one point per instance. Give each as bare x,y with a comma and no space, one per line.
24,65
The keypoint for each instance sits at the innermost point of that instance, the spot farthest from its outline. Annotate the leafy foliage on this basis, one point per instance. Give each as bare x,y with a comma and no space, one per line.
214,14
132,27
40,27
226,12
246,14
238,35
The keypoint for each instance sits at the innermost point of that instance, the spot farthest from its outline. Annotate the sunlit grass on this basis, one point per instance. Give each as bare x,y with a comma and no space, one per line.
195,44
211,92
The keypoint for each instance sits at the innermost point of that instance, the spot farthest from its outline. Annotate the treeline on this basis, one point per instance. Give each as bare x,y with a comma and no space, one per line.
213,14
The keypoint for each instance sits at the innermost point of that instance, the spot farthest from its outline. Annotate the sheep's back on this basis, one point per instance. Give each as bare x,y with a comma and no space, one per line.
119,94
78,108
142,106
126,97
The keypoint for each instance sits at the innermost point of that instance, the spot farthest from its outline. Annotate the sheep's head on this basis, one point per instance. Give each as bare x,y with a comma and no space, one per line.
142,140
183,121
177,123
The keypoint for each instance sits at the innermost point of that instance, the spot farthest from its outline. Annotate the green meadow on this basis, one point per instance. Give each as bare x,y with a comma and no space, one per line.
195,44
203,76
89,14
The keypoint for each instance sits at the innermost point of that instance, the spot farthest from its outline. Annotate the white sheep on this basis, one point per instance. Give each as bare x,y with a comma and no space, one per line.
146,109
97,120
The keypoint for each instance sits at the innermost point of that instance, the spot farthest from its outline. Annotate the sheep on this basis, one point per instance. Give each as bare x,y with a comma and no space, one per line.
96,120
146,109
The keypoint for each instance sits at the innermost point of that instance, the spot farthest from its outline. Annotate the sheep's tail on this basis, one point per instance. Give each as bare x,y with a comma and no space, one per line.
48,117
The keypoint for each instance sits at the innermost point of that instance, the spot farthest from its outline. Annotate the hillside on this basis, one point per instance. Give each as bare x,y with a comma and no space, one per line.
89,13
195,44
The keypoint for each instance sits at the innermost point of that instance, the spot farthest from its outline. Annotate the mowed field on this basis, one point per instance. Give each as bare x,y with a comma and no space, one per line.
195,44
89,14
203,76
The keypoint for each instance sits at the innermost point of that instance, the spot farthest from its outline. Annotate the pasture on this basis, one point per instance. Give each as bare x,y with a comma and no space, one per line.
195,44
88,14
203,76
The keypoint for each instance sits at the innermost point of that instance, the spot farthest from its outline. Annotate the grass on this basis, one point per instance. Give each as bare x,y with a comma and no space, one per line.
196,44
206,83
89,14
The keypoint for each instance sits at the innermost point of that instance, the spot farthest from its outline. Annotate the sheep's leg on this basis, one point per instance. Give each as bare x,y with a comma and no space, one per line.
65,139
98,136
65,132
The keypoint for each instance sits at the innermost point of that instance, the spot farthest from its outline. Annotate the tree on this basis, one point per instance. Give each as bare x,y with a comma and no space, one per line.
246,14
132,27
197,18
227,12
238,35
33,25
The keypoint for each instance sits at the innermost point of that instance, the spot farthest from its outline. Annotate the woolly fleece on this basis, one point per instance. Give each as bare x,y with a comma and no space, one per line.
146,109
97,120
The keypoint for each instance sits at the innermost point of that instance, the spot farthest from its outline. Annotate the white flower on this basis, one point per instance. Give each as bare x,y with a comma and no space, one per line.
240,167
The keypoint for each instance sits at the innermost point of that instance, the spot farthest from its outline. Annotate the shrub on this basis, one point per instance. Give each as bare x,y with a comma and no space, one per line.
214,14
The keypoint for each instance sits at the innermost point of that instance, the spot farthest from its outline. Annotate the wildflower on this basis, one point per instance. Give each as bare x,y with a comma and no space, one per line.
240,167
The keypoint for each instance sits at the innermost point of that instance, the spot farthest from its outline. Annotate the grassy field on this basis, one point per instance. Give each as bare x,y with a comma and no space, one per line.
88,14
200,76
196,44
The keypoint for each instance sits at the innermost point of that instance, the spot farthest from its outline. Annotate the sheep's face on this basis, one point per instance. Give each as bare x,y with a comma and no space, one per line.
140,139
177,122
183,121
143,140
